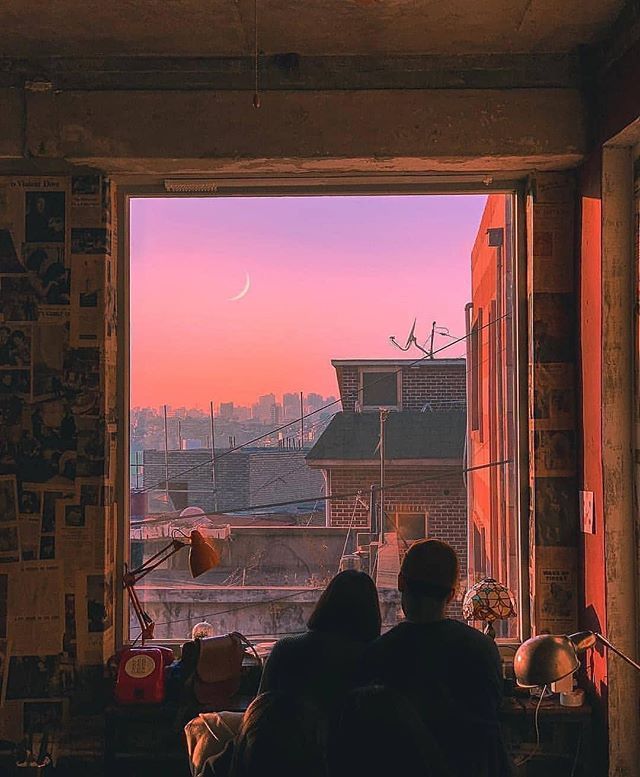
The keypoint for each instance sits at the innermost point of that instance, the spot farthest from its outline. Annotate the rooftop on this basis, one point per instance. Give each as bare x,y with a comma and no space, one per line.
423,362
409,435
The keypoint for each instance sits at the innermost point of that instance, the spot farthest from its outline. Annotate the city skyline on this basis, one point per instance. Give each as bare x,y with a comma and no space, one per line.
282,285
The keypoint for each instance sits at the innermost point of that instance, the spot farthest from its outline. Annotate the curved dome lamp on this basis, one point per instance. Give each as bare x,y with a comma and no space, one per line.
548,658
202,558
488,601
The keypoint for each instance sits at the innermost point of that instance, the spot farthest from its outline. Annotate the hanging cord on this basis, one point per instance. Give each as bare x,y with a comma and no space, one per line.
536,720
256,94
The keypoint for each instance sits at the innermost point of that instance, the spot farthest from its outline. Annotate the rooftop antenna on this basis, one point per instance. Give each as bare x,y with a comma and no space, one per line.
412,340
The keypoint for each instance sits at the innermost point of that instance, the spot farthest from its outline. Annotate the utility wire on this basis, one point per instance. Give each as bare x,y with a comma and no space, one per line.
327,498
304,416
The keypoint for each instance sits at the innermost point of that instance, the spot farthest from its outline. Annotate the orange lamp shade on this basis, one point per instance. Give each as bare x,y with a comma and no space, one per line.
202,555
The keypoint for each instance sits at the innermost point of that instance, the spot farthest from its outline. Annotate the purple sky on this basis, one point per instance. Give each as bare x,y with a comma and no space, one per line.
330,277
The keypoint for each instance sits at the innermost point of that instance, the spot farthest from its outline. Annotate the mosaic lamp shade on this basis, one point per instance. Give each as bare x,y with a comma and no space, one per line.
488,601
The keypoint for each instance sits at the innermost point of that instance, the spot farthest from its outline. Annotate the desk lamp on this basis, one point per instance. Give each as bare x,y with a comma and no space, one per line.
202,558
488,601
548,658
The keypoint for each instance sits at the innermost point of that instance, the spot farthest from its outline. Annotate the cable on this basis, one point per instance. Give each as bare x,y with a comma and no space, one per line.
537,726
329,497
304,416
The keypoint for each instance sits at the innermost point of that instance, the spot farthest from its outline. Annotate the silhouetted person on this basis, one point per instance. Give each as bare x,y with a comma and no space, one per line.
281,735
450,672
321,663
378,733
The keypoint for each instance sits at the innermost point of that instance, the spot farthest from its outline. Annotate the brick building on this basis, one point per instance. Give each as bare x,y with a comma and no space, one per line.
252,476
492,490
424,448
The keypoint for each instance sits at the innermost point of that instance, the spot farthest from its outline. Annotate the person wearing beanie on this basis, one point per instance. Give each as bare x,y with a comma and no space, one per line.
450,672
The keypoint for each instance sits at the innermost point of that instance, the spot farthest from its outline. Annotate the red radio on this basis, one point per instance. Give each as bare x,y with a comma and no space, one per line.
141,675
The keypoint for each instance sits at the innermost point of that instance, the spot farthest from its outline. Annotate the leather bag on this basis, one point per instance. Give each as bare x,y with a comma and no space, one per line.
218,668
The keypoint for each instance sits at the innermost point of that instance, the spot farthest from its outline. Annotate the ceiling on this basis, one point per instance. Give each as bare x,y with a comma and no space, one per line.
70,28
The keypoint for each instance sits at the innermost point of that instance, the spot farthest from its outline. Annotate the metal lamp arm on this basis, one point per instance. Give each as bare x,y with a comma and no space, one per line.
131,577
584,640
624,657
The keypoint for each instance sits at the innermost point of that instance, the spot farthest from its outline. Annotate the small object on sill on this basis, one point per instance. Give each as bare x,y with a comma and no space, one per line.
573,698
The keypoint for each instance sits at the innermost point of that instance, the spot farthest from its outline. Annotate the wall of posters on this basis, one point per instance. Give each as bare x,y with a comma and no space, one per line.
57,333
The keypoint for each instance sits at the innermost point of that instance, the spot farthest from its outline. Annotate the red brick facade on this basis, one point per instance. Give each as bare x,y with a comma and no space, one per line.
440,493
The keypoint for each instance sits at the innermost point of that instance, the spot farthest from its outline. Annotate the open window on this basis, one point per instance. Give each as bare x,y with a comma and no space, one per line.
271,410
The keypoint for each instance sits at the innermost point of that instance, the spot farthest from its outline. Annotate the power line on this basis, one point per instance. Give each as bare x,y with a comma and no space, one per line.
352,393
326,498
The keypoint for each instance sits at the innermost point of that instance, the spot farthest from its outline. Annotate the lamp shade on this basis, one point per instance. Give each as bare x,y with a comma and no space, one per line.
202,556
544,660
488,600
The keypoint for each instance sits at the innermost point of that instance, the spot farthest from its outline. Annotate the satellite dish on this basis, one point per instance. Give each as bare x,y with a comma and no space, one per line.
192,512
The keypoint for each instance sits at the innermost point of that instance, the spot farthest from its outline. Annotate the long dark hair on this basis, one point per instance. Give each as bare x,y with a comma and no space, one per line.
349,606
281,734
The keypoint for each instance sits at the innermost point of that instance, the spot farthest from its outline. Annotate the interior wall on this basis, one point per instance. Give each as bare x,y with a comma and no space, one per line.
552,401
57,447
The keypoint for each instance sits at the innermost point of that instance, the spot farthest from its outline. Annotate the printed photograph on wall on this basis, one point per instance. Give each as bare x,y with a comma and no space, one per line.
43,716
91,240
18,300
30,502
8,499
99,602
50,278
33,677
4,596
15,382
49,341
44,217
9,544
9,260
15,345
74,516
47,548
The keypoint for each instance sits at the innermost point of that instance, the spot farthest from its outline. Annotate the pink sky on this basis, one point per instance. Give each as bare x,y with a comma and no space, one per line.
331,277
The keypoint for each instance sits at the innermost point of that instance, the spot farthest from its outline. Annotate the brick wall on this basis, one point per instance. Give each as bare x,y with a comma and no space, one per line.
439,382
243,478
443,498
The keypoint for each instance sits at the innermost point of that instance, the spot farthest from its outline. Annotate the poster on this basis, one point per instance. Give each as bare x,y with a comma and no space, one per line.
36,608
94,616
555,453
553,396
9,535
555,600
87,308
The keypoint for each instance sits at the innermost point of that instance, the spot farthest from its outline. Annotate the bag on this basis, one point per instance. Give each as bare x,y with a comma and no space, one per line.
218,669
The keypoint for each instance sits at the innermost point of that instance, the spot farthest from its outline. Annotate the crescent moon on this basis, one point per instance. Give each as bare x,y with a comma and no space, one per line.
247,285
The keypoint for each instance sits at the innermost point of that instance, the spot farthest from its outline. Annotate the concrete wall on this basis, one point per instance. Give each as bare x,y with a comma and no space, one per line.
267,583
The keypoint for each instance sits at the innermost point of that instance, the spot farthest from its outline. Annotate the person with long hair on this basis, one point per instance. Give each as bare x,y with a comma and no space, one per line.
281,734
320,664
378,733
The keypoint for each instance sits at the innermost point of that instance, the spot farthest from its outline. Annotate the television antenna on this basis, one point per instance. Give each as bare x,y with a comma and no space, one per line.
412,340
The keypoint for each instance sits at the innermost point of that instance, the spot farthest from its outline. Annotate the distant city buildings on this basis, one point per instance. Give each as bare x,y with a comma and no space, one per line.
190,428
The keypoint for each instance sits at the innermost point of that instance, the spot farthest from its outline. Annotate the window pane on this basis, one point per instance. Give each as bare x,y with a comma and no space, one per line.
379,389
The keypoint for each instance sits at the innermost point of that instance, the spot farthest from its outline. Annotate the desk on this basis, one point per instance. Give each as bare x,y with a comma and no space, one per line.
565,737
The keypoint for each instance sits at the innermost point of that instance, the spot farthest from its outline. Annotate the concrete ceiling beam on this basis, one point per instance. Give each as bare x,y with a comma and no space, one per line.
291,71
171,131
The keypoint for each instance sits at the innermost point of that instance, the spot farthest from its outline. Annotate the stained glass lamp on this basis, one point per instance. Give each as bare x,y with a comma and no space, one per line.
488,601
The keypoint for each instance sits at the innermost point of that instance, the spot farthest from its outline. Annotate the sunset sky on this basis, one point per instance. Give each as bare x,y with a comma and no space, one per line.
330,277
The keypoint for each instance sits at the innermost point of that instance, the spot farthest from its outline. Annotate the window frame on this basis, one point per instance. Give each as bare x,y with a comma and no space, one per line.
372,408
374,184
